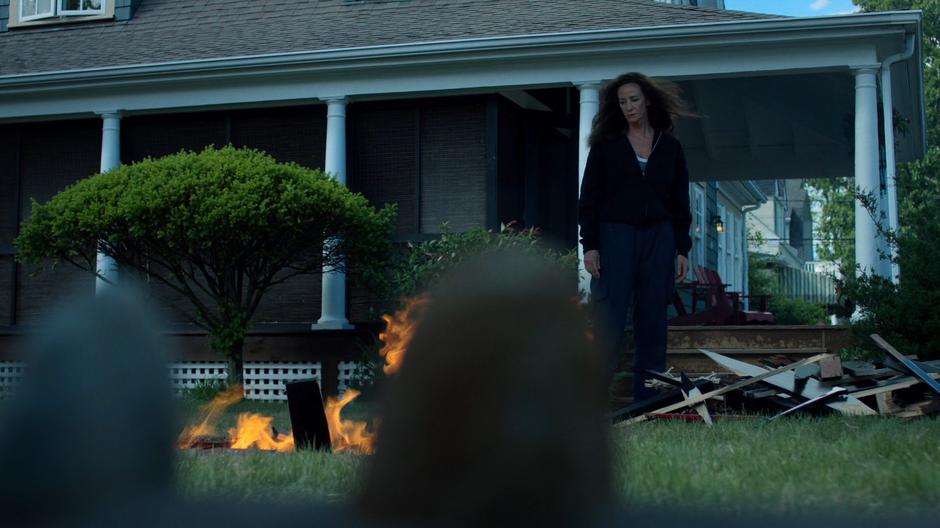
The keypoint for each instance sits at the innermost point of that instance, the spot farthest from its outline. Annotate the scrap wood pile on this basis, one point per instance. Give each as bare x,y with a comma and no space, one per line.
896,386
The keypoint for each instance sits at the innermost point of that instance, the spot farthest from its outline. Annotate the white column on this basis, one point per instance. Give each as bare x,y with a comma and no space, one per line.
110,158
866,167
333,290
588,109
890,168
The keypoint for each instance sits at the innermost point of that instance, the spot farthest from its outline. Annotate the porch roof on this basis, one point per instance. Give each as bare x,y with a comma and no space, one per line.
164,31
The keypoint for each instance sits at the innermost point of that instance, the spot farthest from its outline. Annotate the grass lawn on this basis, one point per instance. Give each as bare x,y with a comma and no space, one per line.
864,464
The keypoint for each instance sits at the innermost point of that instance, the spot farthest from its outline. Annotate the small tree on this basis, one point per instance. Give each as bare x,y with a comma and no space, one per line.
220,227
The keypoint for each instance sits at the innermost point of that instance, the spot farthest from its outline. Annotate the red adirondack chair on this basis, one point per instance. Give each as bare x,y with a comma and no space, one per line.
720,306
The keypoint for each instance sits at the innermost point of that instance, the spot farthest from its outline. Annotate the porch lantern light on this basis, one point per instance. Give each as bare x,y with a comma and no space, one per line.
719,225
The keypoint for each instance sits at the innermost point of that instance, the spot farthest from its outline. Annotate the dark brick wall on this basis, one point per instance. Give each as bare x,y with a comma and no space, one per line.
9,194
52,156
9,172
453,164
298,135
159,135
382,157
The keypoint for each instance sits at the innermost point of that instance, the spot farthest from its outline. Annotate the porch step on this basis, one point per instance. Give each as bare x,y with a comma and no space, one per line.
751,338
749,351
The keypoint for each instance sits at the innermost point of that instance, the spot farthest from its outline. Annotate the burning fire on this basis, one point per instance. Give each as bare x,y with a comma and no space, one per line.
213,409
255,430
399,331
347,435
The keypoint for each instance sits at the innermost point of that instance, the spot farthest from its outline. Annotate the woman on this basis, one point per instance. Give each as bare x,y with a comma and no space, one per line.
634,217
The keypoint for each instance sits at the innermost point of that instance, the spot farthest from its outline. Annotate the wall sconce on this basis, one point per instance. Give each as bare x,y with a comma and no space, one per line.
719,225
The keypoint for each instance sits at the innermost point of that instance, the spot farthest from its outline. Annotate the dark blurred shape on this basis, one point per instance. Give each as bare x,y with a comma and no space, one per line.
307,418
498,411
92,424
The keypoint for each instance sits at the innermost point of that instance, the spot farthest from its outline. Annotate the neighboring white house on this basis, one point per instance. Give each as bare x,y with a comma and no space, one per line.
782,230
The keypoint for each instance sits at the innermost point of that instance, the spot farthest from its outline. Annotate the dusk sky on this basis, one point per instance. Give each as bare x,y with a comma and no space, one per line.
793,7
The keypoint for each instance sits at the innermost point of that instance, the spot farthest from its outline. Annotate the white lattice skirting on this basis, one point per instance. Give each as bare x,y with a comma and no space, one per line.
264,380
11,373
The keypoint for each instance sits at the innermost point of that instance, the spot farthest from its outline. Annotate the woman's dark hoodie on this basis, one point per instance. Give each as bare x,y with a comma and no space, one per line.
614,189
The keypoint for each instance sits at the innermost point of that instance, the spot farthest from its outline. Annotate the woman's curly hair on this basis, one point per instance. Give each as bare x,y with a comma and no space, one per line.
665,104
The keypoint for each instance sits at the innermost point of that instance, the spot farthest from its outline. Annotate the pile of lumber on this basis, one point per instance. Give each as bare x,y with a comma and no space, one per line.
896,385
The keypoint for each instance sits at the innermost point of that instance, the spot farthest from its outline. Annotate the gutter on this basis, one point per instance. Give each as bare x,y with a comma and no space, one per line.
890,163
857,25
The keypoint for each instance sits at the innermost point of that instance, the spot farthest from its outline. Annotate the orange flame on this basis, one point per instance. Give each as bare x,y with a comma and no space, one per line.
347,435
398,332
212,410
254,430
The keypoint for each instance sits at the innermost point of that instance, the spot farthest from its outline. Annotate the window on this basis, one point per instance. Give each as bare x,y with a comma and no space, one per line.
81,7
33,9
30,10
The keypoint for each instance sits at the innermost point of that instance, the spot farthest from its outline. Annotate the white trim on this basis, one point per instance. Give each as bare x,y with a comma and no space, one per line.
699,227
38,16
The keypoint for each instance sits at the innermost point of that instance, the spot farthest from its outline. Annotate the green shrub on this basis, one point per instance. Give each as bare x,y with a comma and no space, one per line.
426,262
219,227
792,311
760,278
422,264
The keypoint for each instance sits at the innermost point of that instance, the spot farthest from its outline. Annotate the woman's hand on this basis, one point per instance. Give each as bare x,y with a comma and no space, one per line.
592,263
682,267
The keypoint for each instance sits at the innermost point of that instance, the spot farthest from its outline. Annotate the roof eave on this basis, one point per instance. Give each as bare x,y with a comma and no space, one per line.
675,36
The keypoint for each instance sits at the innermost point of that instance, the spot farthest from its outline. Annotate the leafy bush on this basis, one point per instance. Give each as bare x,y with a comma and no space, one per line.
906,313
426,262
422,264
220,228
792,311
760,278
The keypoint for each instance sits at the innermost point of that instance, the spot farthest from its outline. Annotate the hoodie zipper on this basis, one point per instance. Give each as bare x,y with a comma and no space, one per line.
646,208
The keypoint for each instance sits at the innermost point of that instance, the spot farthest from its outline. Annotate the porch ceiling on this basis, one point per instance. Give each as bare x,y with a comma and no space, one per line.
771,127
778,127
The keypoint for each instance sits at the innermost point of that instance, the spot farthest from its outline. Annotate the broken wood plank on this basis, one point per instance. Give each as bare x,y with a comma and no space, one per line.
760,392
689,390
722,390
864,369
787,381
902,383
910,365
649,404
835,392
